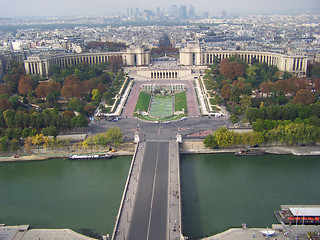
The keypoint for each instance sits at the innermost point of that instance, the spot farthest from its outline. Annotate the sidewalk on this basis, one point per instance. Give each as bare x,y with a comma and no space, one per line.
197,146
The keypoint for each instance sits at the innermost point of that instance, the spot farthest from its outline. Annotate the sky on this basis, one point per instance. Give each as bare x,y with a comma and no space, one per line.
47,8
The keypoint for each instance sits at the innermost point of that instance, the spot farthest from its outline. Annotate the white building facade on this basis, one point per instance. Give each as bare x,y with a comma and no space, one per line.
40,65
195,55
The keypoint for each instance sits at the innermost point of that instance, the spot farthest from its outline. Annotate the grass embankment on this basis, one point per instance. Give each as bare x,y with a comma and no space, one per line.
180,102
143,102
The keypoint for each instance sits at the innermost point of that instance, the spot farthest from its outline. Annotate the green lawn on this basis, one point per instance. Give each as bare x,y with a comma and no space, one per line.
180,101
143,102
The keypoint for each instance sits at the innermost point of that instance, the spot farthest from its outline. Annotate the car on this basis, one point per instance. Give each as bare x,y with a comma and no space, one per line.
183,119
156,122
166,122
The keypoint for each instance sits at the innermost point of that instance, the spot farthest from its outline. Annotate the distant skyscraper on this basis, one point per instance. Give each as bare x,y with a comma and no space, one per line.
158,12
224,13
174,11
191,11
136,13
183,12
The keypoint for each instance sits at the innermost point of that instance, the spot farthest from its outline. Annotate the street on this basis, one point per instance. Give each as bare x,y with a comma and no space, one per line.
161,131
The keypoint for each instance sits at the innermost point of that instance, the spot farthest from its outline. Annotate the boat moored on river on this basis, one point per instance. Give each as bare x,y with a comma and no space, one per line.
89,157
250,152
299,214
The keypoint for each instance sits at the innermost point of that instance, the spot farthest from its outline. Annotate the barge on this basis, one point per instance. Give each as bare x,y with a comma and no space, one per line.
299,215
250,152
89,157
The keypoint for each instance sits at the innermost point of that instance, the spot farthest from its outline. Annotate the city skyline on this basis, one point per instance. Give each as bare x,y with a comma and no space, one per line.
37,8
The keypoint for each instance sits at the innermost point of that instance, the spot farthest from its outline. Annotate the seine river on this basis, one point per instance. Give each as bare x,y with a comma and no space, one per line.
219,191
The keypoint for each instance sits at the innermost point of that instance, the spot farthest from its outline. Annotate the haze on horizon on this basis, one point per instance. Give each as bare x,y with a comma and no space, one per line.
47,8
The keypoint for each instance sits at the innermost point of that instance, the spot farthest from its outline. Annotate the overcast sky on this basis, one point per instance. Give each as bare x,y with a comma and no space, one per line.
21,8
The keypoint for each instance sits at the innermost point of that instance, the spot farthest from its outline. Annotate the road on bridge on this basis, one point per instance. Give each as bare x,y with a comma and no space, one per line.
149,217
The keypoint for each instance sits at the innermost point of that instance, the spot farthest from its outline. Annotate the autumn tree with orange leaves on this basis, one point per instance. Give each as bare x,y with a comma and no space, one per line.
25,84
45,88
304,96
72,88
232,68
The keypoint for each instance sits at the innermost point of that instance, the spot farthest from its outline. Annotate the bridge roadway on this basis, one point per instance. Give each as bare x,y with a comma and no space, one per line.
151,202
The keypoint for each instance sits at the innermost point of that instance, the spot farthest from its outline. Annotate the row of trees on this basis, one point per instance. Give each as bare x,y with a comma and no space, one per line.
266,125
113,136
291,133
225,138
283,112
106,46
47,118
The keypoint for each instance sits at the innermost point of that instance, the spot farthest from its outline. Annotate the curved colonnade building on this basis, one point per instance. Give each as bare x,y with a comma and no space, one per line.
194,55
191,55
133,56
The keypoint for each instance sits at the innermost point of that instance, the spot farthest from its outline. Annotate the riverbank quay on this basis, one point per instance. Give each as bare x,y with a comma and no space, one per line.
287,233
187,147
126,149
197,146
22,232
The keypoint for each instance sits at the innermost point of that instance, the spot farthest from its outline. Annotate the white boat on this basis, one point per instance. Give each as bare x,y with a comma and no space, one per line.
268,232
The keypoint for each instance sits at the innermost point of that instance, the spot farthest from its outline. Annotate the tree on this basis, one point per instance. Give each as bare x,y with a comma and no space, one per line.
226,91
101,139
75,104
114,134
252,114
50,131
315,72
234,119
3,144
232,67
41,90
235,94
44,89
281,86
96,95
224,137
72,87
5,89
37,140
79,121
316,84
88,110
14,144
8,116
252,73
5,104
250,138
25,84
304,96
266,88
209,141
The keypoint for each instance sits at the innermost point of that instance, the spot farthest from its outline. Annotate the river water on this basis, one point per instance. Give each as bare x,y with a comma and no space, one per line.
219,191
222,191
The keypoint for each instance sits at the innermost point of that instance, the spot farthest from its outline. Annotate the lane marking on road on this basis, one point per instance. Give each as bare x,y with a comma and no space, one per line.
153,188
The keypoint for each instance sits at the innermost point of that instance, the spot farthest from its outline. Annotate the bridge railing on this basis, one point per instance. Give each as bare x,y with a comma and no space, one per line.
124,193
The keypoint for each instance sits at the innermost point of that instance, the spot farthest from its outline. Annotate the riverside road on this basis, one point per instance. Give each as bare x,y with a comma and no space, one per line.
161,131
